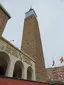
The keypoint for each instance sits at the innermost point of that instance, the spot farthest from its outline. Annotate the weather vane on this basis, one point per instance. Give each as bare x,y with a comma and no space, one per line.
30,6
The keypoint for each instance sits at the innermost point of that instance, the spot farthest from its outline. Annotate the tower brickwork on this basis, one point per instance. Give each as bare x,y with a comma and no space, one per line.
31,44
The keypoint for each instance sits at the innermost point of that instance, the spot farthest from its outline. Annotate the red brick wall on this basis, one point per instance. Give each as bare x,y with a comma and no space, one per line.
7,81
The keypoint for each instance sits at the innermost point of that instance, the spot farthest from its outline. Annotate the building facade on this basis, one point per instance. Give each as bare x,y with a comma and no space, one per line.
55,74
31,43
4,17
14,62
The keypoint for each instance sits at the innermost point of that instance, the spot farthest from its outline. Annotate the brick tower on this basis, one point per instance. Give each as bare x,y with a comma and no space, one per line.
31,43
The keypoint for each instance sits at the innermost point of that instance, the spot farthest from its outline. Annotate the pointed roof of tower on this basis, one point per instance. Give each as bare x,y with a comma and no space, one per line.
30,12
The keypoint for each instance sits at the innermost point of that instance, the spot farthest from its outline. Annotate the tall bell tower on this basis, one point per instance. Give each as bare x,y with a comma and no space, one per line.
31,43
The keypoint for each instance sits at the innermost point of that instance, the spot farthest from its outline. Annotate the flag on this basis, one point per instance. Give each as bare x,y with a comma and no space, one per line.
53,63
61,60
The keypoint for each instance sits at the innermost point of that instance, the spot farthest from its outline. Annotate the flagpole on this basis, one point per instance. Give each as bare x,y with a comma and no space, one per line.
61,61
53,64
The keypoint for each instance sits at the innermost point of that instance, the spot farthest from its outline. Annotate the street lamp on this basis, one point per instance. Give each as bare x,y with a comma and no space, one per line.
11,40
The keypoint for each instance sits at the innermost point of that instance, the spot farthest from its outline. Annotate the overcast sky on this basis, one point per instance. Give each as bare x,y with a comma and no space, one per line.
51,24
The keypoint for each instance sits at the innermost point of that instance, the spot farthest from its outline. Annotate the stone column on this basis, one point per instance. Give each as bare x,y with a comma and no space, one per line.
24,72
10,69
34,75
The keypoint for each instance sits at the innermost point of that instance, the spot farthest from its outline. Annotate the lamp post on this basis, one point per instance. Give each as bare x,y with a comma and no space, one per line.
11,40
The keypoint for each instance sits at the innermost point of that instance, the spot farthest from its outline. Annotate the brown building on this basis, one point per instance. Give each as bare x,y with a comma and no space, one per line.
31,43
4,16
56,74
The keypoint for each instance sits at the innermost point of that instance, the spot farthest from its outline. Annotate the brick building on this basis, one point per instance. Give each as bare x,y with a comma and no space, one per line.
4,17
55,74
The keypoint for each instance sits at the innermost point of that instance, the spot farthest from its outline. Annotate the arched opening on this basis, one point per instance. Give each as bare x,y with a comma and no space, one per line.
4,62
18,68
29,73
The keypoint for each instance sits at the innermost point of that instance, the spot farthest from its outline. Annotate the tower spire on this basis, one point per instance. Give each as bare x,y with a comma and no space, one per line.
30,6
